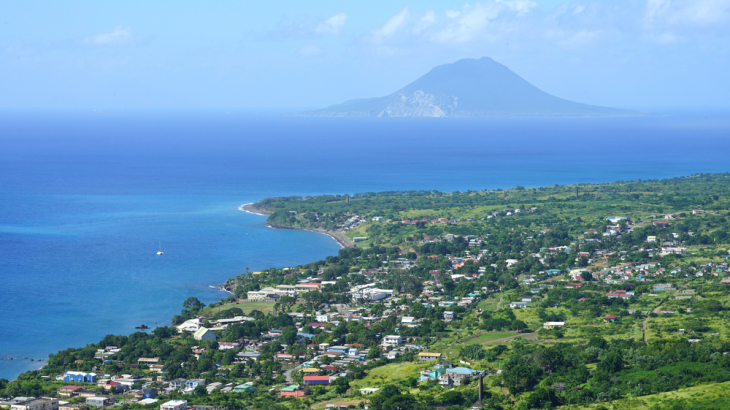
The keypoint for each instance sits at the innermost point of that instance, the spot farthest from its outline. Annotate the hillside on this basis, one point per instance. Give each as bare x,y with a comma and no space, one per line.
467,88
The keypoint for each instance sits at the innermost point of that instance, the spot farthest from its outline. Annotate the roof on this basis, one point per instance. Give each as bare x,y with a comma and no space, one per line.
461,370
316,378
72,387
293,387
610,317
429,354
201,331
310,370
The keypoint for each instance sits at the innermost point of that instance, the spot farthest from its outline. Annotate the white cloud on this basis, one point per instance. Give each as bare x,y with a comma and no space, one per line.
333,25
117,37
484,25
311,51
391,27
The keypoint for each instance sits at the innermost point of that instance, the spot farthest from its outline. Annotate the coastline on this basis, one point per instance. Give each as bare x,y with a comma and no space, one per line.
339,237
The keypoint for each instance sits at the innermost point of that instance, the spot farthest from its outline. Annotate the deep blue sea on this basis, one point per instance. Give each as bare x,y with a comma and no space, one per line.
85,199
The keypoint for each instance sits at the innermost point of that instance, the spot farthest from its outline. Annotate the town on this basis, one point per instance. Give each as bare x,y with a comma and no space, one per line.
525,298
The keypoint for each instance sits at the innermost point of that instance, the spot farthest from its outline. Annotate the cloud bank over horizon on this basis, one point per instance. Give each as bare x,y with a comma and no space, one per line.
633,54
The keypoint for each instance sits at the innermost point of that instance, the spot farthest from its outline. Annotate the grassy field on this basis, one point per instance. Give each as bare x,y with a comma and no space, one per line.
246,307
337,402
712,396
390,373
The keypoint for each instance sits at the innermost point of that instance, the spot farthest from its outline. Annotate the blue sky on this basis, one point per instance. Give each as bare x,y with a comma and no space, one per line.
228,55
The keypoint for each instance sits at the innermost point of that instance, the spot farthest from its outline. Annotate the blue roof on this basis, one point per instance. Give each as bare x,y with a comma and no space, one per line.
461,370
306,335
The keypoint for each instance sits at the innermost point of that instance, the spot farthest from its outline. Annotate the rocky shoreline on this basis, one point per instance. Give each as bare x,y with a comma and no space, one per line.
341,239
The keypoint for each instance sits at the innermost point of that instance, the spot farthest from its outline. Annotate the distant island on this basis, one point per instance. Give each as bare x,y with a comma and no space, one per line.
467,88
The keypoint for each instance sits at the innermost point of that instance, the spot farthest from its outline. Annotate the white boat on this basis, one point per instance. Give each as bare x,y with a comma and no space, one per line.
160,252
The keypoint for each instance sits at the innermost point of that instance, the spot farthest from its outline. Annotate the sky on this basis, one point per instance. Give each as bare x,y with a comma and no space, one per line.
240,55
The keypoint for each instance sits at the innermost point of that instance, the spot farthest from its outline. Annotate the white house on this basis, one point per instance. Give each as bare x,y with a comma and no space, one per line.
392,340
204,334
174,405
191,325
518,305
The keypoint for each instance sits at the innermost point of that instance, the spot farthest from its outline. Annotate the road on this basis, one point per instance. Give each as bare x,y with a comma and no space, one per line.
501,298
656,310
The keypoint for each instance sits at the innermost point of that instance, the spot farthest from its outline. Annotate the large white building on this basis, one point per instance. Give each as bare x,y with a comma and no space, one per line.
191,325
392,340
174,405
370,294
204,334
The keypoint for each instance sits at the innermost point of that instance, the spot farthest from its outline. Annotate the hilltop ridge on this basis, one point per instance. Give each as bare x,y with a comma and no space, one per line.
467,88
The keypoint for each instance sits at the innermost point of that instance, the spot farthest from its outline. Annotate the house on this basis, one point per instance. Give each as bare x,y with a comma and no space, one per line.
244,388
697,211
149,392
393,354
456,376
527,298
174,405
191,325
311,371
193,383
617,294
99,401
574,285
392,340
229,345
204,334
35,404
449,316
554,271
552,325
148,360
69,391
72,407
177,384
518,305
609,319
292,391
425,356
312,380
651,238
79,377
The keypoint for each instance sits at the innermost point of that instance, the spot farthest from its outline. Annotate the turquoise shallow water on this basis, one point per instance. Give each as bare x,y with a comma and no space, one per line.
85,200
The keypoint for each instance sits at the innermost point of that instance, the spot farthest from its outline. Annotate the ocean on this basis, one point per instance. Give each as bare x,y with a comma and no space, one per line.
86,199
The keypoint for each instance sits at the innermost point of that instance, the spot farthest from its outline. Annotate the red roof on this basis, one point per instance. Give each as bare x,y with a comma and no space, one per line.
329,367
311,283
581,299
72,387
610,317
316,378
316,324
619,291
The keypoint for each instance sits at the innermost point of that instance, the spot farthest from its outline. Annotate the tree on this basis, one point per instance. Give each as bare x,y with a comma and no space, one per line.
374,353
289,335
201,391
257,314
473,352
587,276
518,325
342,385
193,304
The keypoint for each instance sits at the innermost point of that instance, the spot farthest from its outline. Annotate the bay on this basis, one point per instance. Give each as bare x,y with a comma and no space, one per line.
85,199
